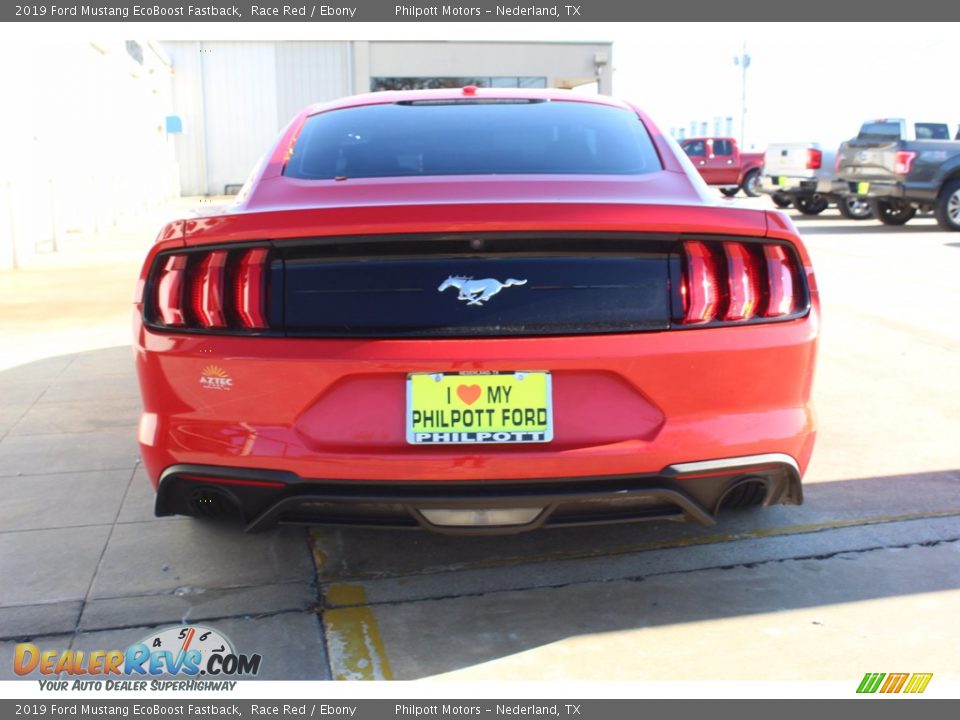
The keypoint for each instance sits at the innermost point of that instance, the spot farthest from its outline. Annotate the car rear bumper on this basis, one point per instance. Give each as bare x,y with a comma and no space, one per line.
263,499
924,193
331,411
788,185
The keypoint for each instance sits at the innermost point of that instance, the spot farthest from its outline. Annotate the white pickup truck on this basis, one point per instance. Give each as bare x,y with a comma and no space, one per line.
803,174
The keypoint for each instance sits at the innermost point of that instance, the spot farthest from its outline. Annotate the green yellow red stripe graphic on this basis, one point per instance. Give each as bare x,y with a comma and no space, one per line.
894,682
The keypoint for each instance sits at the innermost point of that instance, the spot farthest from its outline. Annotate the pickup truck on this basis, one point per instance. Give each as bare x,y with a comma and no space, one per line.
803,174
902,167
720,163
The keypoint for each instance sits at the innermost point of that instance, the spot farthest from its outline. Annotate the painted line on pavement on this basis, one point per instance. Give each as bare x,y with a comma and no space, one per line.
354,643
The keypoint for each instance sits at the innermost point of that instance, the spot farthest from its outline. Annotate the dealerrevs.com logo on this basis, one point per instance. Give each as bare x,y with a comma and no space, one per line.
183,651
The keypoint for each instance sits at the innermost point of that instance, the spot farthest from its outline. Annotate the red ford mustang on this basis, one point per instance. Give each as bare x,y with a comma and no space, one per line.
475,311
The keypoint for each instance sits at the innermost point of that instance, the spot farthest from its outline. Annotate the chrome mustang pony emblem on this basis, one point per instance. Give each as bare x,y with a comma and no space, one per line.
477,292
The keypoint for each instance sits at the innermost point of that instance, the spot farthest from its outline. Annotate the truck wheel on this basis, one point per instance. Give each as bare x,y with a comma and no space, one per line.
948,206
811,204
781,201
751,183
890,213
853,208
729,192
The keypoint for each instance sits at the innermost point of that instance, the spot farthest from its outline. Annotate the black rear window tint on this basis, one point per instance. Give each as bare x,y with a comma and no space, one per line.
879,131
472,138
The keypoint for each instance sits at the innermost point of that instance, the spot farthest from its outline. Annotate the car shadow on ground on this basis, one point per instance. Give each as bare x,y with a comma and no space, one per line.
852,541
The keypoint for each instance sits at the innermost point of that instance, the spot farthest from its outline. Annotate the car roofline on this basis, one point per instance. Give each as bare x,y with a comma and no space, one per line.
389,97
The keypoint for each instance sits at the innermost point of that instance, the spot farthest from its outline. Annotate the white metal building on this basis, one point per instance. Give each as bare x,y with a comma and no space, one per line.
82,139
235,97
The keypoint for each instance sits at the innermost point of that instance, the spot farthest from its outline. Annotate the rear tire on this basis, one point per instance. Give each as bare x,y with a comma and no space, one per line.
781,201
751,183
947,209
811,204
729,192
853,208
890,213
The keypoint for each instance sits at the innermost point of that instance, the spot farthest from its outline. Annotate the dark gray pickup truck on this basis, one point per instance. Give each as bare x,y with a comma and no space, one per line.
902,167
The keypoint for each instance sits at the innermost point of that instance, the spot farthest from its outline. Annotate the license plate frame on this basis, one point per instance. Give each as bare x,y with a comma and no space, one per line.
482,394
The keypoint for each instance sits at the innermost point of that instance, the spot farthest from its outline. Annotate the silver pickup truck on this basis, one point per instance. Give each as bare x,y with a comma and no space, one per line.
802,174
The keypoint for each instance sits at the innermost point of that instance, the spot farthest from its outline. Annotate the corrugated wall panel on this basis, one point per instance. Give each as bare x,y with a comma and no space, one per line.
240,89
310,72
188,104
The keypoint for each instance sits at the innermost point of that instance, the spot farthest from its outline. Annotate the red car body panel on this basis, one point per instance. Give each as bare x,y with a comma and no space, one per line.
333,408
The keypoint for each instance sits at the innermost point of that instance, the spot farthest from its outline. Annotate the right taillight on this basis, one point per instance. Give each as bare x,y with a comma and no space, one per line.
814,159
699,288
211,290
742,282
733,282
781,295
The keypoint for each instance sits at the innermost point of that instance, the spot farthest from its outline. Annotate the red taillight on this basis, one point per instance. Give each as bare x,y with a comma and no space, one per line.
781,296
742,283
699,289
737,282
814,159
217,289
248,288
904,162
206,293
170,285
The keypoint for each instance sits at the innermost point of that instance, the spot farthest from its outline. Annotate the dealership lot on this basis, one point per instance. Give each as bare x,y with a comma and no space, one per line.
863,576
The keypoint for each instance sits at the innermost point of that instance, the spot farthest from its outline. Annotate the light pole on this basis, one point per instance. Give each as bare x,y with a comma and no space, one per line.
743,61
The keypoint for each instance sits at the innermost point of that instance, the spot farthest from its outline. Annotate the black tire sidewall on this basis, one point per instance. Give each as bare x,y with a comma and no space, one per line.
941,210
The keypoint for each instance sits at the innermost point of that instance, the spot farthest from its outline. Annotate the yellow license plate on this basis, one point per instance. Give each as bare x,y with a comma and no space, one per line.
455,408
781,180
863,188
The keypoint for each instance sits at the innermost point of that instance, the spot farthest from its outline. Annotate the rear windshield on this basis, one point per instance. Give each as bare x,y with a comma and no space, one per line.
472,138
879,131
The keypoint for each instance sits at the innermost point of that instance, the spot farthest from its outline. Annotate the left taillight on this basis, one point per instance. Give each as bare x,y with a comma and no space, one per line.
211,290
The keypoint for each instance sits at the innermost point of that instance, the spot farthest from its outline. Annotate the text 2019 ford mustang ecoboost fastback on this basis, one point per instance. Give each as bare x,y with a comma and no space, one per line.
475,311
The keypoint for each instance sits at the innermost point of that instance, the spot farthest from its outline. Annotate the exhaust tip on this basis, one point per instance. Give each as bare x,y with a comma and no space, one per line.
747,492
211,502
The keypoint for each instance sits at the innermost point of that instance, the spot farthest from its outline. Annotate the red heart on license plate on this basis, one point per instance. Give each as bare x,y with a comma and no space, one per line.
468,393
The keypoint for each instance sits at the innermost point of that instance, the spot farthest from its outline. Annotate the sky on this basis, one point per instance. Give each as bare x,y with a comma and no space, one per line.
806,82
